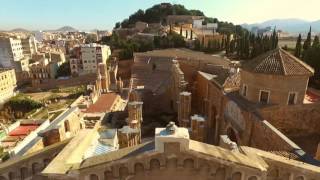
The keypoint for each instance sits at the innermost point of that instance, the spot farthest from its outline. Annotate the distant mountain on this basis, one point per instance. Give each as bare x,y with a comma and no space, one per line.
288,25
19,30
66,29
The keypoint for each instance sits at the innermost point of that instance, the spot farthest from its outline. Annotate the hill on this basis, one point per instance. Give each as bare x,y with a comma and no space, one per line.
159,12
66,29
19,30
288,25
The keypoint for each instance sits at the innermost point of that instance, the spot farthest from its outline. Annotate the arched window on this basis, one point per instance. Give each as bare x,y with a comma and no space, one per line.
138,168
154,164
66,126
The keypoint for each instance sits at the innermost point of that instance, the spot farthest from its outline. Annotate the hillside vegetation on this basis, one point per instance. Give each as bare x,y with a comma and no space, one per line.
159,12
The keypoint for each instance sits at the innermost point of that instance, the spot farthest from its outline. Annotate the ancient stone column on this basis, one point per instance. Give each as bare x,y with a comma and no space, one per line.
184,109
198,128
135,114
104,77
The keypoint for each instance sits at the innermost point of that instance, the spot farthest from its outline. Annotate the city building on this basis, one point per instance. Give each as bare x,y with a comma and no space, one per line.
8,84
90,56
10,51
29,46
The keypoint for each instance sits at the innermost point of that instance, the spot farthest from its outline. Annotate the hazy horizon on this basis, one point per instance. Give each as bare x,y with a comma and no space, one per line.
99,14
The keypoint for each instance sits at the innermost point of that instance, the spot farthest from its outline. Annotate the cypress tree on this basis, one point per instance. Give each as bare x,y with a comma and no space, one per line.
274,39
228,44
316,42
246,48
297,51
181,30
307,42
186,34
191,35
170,29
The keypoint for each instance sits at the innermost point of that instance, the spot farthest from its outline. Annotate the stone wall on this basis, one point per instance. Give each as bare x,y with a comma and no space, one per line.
266,137
124,69
295,119
74,81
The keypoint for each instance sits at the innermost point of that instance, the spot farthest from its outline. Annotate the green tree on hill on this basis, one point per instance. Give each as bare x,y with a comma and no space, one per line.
307,42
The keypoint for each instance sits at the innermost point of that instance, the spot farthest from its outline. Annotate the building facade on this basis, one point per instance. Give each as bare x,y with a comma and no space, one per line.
10,51
92,55
8,83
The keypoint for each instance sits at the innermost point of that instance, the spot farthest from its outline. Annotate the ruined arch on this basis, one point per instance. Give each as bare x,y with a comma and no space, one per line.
24,173
154,164
94,177
188,163
236,176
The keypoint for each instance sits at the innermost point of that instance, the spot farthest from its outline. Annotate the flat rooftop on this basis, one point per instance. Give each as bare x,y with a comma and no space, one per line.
103,104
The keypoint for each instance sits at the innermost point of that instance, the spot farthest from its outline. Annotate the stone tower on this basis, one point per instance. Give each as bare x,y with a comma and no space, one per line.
184,109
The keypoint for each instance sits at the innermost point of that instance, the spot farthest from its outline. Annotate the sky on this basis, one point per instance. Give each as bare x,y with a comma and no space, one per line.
103,14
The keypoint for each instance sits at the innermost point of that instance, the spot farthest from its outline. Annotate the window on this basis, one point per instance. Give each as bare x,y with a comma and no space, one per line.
264,97
244,90
292,98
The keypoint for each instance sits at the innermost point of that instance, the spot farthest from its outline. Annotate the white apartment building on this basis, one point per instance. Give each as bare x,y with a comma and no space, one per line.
29,46
10,51
92,55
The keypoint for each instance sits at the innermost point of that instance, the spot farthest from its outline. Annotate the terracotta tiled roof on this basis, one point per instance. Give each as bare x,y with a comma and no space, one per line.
278,62
103,104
